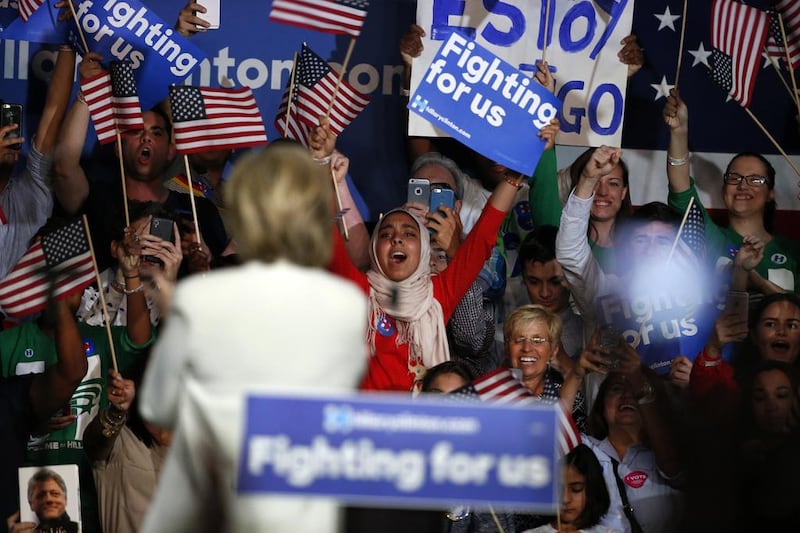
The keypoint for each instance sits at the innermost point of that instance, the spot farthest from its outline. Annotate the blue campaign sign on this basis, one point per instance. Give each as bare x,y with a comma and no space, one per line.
485,103
126,29
397,451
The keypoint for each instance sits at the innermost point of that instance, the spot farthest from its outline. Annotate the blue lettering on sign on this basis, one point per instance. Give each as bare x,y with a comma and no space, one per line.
576,112
514,34
615,8
594,103
585,10
442,11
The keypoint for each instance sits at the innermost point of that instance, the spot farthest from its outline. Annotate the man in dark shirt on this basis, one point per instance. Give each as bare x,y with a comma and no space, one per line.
146,156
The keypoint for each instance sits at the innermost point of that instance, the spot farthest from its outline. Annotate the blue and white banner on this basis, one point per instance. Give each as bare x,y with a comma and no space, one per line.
400,452
485,103
582,40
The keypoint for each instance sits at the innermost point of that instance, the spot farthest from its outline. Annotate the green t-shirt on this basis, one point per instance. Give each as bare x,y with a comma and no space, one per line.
780,262
27,350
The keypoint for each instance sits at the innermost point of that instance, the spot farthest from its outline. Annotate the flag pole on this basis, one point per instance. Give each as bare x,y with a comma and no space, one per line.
100,290
789,63
546,29
191,198
680,229
341,76
122,176
290,96
494,515
78,24
680,46
780,75
774,142
339,206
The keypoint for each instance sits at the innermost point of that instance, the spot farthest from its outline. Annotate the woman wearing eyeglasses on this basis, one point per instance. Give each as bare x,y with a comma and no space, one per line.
532,336
749,195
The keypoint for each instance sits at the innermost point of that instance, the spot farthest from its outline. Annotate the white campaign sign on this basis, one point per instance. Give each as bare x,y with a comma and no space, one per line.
583,41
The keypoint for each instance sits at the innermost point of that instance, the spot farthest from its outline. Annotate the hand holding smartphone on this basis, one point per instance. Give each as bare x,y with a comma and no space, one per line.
212,14
11,114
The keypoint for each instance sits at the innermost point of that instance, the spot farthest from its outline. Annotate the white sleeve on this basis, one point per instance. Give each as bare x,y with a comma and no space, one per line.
583,273
165,377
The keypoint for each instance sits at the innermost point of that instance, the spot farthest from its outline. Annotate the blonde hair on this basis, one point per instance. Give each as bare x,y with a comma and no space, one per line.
525,315
280,206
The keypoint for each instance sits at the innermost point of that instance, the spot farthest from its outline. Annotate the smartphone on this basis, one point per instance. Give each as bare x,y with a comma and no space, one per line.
610,339
161,228
738,304
419,191
11,114
212,14
441,196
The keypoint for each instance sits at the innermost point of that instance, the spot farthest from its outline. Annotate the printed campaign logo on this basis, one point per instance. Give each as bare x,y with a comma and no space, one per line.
337,418
778,259
28,352
419,104
475,96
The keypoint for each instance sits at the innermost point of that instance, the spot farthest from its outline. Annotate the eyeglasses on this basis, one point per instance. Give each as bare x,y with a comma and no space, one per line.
536,341
734,178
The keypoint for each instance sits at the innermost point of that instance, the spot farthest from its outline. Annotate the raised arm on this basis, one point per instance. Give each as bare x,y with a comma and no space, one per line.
55,104
676,116
138,315
411,47
54,388
70,183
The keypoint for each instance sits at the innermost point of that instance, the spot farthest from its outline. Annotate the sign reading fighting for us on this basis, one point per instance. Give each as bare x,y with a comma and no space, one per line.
582,39
485,103
122,30
400,452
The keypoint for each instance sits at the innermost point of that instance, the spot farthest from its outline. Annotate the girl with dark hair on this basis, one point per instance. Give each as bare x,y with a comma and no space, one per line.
446,377
585,499
611,205
748,190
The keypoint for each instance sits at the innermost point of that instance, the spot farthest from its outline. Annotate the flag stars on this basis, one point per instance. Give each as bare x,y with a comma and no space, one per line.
701,56
662,89
666,20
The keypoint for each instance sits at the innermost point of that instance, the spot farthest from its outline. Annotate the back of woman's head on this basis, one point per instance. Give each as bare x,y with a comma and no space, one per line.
448,367
597,499
280,206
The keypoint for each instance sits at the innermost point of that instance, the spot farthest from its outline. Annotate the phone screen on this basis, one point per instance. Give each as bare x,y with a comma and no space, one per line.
11,114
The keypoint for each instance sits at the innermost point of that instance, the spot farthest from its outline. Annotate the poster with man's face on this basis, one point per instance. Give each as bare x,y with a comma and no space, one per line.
49,496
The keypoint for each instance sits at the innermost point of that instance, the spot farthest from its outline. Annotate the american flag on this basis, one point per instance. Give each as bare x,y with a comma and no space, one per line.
293,129
215,119
27,7
789,10
500,386
315,83
329,16
127,111
693,234
738,34
60,262
98,95
113,101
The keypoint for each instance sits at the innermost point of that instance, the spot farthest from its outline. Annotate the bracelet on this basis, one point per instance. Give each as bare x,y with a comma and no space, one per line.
131,277
140,288
678,161
65,48
112,422
515,183
322,160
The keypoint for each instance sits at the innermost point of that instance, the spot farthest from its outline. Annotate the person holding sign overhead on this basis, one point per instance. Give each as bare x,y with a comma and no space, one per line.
409,308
